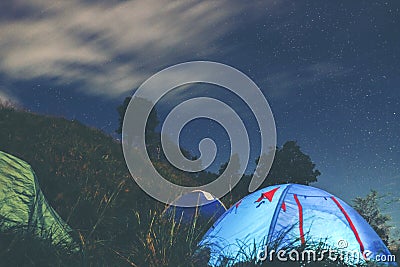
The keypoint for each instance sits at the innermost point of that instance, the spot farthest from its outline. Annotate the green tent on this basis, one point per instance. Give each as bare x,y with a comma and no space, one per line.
24,207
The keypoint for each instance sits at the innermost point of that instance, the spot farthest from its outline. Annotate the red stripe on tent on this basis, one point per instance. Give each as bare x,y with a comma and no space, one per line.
268,195
353,228
284,206
303,241
238,204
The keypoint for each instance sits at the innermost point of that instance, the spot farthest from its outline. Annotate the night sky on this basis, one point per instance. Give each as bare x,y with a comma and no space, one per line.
329,69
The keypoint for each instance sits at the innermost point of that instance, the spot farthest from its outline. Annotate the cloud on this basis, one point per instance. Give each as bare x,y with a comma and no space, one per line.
109,48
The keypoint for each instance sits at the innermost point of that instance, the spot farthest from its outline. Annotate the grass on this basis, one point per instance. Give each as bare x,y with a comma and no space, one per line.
151,239
313,253
158,241
21,247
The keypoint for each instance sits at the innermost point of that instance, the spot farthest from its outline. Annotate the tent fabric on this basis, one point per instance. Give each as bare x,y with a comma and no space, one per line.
290,216
209,208
24,207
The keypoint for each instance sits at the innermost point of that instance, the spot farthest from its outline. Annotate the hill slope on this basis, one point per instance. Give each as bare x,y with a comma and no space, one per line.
83,175
79,168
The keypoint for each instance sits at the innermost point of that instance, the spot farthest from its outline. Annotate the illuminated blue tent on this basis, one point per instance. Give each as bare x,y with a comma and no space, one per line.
209,208
291,216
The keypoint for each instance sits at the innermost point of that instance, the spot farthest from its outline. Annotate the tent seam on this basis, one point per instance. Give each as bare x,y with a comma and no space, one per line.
276,213
32,209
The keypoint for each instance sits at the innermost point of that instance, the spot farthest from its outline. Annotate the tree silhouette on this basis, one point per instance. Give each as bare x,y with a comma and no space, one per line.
152,121
291,165
368,208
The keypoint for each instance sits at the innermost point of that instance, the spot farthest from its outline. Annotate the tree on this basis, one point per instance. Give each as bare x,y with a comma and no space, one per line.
368,208
240,189
121,109
234,170
291,165
235,161
154,146
152,121
152,137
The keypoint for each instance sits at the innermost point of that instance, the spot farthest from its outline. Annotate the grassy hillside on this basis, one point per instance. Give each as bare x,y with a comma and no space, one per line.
83,175
70,160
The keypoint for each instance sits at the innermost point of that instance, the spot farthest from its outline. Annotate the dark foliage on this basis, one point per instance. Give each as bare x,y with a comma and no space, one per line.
369,209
